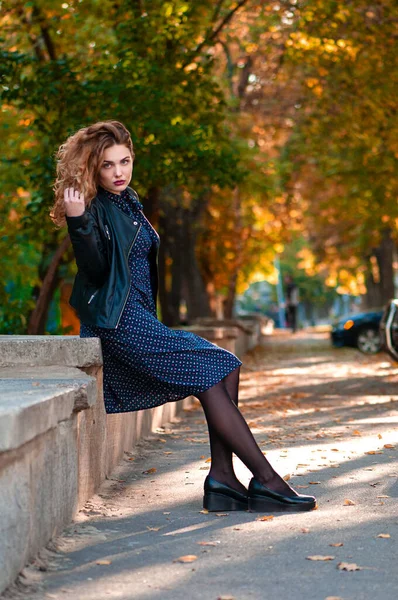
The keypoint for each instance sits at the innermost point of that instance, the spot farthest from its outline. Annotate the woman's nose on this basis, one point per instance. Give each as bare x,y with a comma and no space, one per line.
118,170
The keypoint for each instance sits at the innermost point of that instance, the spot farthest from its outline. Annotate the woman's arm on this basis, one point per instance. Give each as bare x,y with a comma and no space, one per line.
89,249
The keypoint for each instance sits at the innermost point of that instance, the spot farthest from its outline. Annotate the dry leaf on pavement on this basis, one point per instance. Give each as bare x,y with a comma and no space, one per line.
148,471
319,557
348,502
305,530
337,545
389,446
204,511
385,536
103,562
286,477
188,558
209,543
265,518
343,566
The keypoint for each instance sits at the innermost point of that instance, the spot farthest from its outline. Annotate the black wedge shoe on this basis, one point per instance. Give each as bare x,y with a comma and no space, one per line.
220,497
262,499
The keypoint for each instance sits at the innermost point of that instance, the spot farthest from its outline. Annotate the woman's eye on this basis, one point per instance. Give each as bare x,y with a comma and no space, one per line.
125,161
106,166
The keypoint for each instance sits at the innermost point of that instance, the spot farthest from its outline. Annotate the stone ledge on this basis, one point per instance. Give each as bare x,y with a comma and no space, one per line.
43,350
34,400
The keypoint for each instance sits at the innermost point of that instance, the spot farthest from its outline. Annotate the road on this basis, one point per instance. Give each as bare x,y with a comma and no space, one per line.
325,418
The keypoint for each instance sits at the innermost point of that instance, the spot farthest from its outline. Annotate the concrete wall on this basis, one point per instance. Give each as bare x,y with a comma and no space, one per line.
57,444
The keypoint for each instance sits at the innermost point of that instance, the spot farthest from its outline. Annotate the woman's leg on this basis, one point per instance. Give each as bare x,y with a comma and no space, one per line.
228,426
221,454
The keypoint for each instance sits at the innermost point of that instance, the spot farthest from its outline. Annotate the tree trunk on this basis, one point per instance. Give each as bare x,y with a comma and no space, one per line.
234,269
38,317
193,285
385,258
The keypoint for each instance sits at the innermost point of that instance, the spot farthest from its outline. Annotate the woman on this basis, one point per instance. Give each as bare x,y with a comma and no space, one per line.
145,363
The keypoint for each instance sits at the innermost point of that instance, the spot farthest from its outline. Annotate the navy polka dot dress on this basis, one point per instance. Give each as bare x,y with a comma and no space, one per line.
147,364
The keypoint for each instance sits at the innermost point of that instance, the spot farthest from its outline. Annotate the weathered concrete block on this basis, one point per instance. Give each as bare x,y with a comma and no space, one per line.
42,350
34,400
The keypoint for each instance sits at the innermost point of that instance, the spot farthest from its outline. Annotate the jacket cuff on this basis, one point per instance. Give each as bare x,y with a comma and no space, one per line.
77,222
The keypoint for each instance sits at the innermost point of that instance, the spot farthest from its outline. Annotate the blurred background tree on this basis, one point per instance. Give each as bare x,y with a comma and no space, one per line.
254,124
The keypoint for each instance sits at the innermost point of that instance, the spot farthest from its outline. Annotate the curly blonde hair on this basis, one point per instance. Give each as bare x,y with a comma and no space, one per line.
79,161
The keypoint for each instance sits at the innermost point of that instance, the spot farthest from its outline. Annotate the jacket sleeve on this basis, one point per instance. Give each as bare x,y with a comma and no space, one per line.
90,252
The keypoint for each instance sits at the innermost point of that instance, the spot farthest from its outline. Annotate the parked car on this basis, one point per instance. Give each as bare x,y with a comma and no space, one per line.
389,329
359,330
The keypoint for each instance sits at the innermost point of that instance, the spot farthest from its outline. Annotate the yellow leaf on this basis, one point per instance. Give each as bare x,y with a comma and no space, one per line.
265,518
343,566
153,470
286,477
208,460
204,511
318,557
388,446
356,432
385,536
103,562
380,436
348,502
188,558
314,482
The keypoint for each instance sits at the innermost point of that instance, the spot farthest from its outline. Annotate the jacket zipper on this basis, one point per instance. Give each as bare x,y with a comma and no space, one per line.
127,260
108,235
92,296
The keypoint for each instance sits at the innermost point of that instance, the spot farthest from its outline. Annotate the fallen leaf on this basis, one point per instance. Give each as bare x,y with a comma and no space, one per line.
343,566
305,530
374,452
226,598
286,477
209,543
188,558
204,511
203,456
153,470
318,557
385,536
204,468
333,598
208,460
152,528
314,482
103,562
265,518
166,513
383,496
337,544
380,436
348,502
301,486
131,458
222,514
334,450
388,446
167,452
356,432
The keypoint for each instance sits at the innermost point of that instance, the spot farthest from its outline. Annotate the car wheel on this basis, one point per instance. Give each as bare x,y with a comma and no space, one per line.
368,341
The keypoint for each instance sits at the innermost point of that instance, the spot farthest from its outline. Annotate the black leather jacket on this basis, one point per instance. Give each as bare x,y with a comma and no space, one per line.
102,239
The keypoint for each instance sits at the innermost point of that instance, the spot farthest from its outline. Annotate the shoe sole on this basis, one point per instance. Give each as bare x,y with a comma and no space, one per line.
260,504
214,502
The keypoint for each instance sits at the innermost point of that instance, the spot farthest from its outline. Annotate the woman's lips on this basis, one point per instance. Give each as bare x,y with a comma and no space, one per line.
121,182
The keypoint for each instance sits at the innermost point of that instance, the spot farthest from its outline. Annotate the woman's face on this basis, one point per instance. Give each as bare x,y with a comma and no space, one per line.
116,169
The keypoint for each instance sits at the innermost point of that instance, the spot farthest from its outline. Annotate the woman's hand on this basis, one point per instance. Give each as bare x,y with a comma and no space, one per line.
74,202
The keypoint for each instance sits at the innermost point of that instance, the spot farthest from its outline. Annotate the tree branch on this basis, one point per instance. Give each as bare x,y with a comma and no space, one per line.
214,32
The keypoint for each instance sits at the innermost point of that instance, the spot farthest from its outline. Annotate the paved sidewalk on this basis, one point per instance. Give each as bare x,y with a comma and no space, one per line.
326,417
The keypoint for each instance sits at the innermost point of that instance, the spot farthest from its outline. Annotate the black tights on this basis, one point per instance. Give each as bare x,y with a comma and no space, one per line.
229,432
